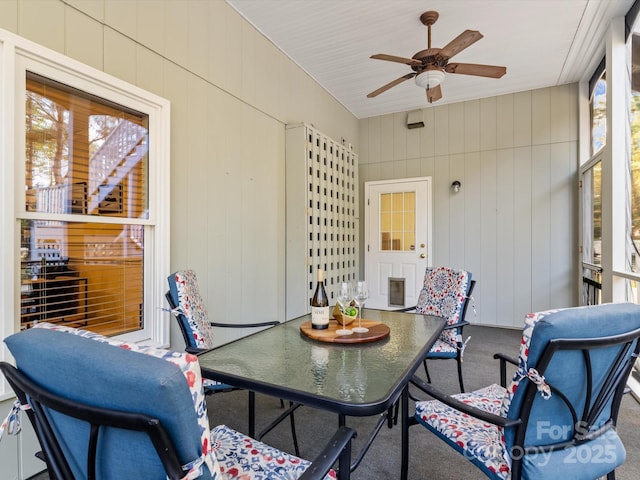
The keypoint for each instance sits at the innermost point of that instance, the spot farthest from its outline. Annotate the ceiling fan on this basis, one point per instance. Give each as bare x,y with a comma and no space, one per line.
430,65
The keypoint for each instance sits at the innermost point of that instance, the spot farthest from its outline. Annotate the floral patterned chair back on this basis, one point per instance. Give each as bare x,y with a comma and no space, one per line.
445,293
190,309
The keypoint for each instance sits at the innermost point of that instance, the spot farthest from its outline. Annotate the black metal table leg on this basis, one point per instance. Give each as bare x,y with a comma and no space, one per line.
404,467
252,414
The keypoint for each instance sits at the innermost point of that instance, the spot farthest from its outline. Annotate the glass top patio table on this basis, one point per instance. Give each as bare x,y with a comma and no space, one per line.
350,379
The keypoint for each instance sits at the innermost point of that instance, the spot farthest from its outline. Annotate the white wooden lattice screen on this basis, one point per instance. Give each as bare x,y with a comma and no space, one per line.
330,215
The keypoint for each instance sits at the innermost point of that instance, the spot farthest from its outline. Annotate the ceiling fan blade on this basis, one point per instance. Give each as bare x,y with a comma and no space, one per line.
386,87
394,58
491,71
434,94
462,41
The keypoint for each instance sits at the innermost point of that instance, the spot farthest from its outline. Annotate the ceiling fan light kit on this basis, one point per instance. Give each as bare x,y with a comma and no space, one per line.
429,78
429,65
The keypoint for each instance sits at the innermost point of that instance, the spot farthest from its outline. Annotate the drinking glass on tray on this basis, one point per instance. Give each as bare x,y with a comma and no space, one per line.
345,296
360,296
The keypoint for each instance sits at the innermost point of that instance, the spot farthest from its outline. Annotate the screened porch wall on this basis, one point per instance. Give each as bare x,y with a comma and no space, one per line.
513,223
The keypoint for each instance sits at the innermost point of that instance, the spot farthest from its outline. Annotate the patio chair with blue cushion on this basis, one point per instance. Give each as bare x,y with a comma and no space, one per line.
103,409
189,309
445,292
557,417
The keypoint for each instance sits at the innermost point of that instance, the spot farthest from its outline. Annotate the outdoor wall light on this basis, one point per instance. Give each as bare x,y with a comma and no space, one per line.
455,186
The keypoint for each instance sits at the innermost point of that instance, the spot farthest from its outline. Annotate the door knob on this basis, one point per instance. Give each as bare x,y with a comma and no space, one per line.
422,255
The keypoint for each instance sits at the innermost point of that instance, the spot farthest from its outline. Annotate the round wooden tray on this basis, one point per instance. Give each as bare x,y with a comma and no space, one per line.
377,331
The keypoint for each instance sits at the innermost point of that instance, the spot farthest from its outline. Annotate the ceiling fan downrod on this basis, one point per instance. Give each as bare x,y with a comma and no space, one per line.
429,18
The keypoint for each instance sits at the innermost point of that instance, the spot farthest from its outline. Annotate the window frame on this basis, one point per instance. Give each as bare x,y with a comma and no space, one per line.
592,109
17,55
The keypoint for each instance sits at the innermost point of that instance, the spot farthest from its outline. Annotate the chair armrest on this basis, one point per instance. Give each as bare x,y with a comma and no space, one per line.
196,350
503,357
464,323
503,366
339,447
463,407
406,309
244,325
175,311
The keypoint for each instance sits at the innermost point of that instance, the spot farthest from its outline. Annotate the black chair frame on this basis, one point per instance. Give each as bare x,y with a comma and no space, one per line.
612,391
185,333
458,325
29,393
289,412
395,410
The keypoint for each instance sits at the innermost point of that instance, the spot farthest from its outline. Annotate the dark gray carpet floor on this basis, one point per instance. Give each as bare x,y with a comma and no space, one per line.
429,457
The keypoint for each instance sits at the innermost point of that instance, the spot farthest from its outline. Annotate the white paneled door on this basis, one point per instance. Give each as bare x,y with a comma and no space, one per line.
398,242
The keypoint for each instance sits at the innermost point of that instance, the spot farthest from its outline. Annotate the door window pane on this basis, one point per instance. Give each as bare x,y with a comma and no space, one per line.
397,221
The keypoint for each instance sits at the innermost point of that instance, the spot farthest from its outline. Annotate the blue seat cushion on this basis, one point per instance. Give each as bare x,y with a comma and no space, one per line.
118,379
587,461
567,371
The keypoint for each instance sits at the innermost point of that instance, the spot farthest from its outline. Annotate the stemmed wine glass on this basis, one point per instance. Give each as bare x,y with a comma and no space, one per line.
360,296
345,295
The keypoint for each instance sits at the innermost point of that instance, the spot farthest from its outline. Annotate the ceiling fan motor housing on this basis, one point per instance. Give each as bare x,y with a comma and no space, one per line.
429,57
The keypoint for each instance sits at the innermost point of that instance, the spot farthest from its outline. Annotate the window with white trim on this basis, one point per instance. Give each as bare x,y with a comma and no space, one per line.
86,157
84,181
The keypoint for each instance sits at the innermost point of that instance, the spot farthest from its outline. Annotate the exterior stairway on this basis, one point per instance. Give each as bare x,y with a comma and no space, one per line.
119,154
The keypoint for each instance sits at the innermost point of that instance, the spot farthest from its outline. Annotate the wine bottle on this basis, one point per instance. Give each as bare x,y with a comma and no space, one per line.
320,305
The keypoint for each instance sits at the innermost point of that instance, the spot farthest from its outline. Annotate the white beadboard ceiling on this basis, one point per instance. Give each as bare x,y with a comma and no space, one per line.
541,42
